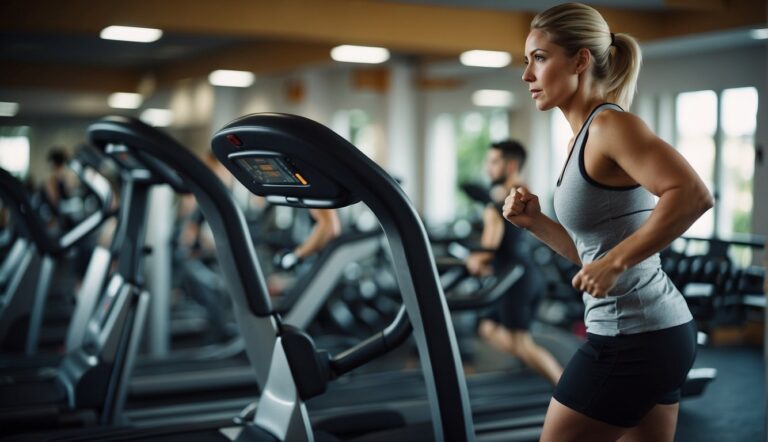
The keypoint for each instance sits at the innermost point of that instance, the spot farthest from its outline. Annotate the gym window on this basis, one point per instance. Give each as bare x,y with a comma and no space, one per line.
474,134
716,134
355,126
14,150
457,145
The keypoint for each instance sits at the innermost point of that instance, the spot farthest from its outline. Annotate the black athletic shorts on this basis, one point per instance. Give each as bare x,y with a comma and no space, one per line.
618,379
517,308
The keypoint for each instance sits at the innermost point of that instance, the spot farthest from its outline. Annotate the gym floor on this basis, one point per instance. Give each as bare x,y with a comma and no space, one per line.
733,406
732,409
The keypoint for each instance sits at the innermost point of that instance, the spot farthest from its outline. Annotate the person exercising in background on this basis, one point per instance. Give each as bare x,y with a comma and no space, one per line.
508,329
57,189
327,227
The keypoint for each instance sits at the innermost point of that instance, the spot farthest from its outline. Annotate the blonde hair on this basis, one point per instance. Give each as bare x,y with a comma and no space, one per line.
616,57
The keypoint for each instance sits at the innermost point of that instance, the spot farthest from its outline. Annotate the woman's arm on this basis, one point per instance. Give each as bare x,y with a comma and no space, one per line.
523,209
554,235
624,139
655,165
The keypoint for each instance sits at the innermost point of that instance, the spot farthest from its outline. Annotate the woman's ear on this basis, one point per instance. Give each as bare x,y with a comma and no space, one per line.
583,60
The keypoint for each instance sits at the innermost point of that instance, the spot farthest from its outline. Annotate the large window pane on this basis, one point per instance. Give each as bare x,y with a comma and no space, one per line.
14,150
738,120
696,123
473,138
441,170
355,126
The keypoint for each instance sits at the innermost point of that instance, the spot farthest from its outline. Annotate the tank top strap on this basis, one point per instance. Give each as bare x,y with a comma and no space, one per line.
578,144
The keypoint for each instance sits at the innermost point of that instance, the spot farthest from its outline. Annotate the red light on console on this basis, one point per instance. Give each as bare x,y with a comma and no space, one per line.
234,140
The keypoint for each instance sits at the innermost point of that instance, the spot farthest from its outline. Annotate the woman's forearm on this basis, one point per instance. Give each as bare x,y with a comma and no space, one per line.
554,235
675,212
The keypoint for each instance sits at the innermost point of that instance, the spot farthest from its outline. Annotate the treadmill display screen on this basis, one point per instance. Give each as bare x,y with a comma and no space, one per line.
271,170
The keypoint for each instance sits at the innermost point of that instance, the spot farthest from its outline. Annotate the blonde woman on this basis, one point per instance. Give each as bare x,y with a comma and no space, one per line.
624,382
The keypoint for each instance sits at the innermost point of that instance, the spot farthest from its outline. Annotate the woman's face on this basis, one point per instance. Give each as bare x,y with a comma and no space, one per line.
551,76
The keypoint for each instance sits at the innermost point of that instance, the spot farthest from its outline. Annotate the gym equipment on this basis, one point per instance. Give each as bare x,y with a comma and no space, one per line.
286,364
30,265
90,383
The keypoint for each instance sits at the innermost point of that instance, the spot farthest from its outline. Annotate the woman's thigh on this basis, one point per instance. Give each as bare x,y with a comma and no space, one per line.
563,424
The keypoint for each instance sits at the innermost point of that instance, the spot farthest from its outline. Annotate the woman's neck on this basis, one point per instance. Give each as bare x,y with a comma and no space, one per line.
586,98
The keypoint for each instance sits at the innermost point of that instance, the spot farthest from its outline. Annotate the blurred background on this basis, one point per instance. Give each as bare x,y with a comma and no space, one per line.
422,87
417,109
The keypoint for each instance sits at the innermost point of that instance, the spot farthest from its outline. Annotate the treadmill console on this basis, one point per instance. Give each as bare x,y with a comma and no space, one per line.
282,171
270,169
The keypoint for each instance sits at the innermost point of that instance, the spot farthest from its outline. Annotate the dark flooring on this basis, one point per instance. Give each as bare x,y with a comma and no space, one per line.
733,408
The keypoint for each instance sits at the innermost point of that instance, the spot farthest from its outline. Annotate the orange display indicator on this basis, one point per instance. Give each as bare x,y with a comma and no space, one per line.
300,178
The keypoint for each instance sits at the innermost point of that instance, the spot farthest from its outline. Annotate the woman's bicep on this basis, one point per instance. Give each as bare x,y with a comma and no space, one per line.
646,158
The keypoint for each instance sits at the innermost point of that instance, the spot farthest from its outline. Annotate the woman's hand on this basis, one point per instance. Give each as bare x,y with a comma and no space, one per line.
597,278
521,208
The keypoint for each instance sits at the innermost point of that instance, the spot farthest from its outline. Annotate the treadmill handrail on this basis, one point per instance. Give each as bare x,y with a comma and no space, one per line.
292,294
16,196
491,294
85,168
238,249
389,338
234,247
12,192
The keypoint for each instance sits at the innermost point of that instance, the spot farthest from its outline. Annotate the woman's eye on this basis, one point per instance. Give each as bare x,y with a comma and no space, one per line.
538,58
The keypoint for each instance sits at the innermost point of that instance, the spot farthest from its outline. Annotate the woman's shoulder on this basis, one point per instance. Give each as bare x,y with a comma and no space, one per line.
611,127
609,119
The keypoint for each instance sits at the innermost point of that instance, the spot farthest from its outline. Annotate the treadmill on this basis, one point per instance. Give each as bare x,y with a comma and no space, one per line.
312,370
197,391
162,390
398,219
284,359
89,384
28,271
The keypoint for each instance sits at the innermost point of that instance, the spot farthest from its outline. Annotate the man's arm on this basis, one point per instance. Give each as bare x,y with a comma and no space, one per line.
490,239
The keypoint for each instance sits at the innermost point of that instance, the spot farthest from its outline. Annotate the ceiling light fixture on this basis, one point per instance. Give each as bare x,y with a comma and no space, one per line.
124,100
157,117
486,59
759,34
228,78
493,98
360,54
8,109
130,33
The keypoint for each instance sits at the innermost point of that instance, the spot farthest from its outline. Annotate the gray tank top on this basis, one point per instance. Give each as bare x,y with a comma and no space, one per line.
597,218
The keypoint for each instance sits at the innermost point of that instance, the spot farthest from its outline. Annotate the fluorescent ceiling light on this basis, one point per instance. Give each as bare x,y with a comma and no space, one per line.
124,100
130,33
8,109
157,117
223,77
486,59
492,98
360,54
759,34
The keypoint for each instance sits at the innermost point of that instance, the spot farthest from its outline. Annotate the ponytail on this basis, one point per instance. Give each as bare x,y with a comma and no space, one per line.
616,57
